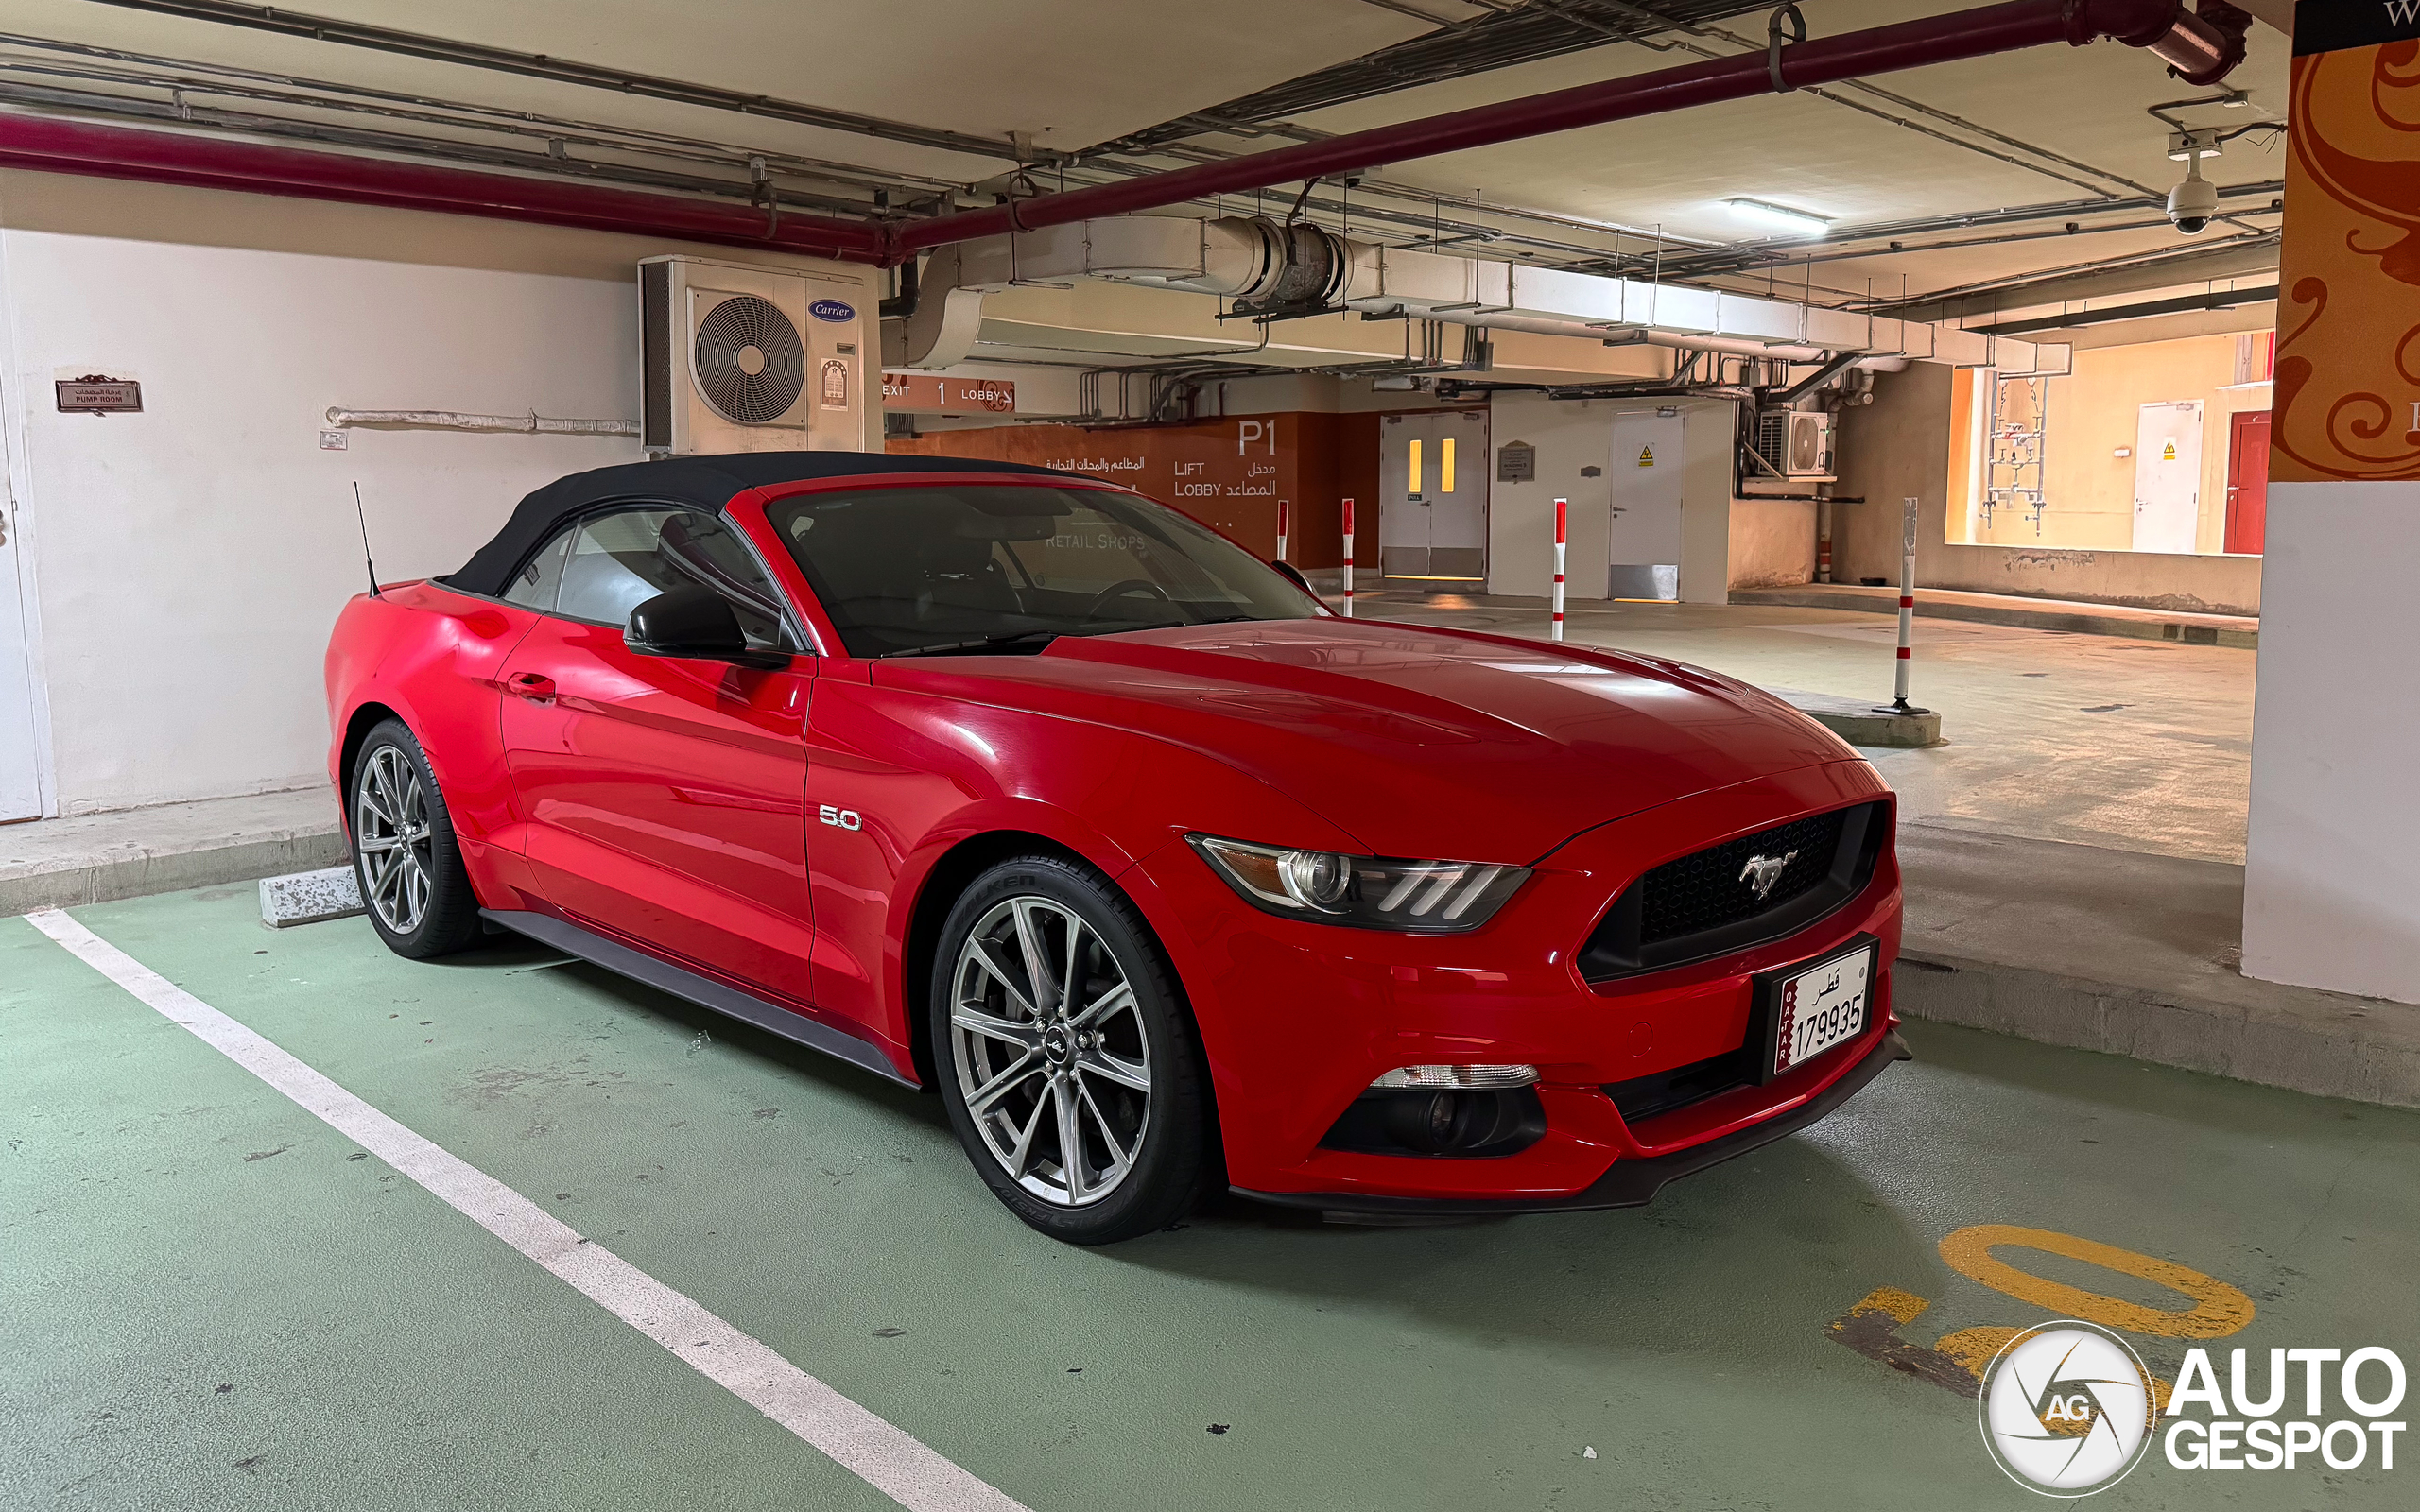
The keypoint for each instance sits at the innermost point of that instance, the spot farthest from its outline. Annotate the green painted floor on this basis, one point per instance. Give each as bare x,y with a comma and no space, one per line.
208,1299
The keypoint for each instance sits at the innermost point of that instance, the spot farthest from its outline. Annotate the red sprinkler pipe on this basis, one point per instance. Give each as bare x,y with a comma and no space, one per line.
45,146
2165,27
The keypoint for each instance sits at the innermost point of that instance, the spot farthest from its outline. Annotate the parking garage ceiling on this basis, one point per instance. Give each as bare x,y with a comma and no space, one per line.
1991,175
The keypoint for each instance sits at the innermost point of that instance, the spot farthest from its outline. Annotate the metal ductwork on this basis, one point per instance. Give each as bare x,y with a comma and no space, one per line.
1299,269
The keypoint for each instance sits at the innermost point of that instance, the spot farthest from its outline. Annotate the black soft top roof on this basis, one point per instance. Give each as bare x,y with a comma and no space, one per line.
707,482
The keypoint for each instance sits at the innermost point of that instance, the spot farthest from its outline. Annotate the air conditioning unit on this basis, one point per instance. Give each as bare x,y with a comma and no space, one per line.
1796,443
739,358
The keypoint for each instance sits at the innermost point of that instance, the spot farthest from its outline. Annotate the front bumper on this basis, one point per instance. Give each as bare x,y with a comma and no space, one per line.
1299,1018
1628,1183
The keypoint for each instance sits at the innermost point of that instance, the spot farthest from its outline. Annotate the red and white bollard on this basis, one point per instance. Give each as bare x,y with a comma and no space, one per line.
1899,704
1562,540
1348,559
1285,518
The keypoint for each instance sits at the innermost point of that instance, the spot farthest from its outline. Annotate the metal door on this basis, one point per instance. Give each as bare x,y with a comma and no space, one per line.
1432,498
1643,520
19,792
2167,476
2248,484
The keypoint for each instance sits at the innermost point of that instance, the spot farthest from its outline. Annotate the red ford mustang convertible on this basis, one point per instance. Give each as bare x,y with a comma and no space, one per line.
1029,790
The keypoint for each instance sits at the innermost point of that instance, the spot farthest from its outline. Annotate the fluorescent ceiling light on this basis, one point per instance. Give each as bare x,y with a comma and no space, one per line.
1805,222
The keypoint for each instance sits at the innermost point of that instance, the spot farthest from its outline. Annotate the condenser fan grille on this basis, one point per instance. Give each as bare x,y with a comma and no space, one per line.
751,364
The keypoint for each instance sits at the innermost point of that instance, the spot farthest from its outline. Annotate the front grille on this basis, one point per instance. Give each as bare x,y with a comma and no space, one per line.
1705,904
1708,890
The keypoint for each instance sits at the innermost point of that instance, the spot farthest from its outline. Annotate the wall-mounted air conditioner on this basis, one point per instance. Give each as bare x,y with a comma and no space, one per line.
1796,443
752,359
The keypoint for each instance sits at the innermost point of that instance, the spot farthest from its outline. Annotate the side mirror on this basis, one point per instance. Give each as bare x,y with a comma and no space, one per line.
1293,574
694,624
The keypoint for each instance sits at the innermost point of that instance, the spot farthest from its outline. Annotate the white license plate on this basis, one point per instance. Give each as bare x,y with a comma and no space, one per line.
1820,1007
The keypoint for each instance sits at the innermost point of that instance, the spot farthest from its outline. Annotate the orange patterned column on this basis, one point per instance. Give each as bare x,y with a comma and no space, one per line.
2332,873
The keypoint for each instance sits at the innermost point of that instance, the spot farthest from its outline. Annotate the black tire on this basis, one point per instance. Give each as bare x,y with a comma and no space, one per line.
1094,1053
446,916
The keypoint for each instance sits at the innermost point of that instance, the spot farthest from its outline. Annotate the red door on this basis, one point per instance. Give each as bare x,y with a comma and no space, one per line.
2248,483
664,799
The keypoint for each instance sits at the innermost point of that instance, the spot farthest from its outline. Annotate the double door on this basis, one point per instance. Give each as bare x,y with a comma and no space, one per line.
1432,499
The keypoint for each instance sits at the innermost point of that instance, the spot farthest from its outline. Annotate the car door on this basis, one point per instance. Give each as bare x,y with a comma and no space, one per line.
664,795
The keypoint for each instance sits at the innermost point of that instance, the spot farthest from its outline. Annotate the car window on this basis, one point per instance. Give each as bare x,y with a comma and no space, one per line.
618,561
534,584
906,569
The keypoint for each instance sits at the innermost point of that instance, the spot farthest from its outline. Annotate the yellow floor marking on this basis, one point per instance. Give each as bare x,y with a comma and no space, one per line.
2217,1309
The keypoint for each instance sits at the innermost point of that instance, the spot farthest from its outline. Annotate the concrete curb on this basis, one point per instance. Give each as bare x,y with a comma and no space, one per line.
2308,1042
2141,625
169,847
144,872
1861,722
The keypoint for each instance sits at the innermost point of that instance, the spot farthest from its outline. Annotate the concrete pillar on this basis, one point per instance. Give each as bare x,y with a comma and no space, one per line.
2332,881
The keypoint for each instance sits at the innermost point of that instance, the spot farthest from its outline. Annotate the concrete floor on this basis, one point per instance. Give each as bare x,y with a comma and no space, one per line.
2132,745
210,1299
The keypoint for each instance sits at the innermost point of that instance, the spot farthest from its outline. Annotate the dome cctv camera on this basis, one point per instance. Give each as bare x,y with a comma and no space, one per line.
2192,204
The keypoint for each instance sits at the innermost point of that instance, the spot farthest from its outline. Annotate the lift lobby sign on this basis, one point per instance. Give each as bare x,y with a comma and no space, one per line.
2348,400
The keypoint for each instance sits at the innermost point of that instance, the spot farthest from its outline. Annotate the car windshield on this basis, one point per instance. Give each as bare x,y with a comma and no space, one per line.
974,567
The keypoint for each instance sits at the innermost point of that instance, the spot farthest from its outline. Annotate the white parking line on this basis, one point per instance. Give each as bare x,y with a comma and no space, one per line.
887,1458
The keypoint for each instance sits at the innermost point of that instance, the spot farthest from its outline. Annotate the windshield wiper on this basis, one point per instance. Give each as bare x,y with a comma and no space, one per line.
985,643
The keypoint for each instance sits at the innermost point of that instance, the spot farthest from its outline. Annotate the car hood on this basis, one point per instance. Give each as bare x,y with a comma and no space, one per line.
1416,741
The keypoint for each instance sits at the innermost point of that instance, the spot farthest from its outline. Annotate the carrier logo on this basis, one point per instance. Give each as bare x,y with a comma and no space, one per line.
1761,872
832,310
2067,1409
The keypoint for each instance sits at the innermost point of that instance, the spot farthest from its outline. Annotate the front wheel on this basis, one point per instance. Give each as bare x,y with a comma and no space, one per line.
403,852
1066,1057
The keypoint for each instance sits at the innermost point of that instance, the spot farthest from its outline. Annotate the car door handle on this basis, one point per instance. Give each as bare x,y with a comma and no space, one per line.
531,686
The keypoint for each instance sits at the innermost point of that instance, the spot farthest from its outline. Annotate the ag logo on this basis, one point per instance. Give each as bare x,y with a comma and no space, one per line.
2067,1409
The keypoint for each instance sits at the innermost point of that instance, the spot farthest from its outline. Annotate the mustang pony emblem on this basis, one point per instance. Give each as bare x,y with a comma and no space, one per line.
1761,872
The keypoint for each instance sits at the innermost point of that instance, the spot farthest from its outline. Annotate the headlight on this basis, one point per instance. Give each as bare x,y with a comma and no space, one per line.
1444,897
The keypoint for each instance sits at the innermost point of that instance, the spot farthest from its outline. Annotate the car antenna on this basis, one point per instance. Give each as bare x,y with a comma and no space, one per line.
363,515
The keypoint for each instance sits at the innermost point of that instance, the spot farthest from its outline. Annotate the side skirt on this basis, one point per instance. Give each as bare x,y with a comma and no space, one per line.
702,990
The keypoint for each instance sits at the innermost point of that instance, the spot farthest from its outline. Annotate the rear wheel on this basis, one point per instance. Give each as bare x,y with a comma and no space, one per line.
1066,1057
403,851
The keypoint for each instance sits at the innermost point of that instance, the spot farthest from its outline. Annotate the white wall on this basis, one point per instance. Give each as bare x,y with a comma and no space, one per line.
187,561
2332,867
1571,434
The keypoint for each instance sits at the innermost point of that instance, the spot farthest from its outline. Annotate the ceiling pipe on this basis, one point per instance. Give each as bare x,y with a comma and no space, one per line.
2165,27
2192,43
45,146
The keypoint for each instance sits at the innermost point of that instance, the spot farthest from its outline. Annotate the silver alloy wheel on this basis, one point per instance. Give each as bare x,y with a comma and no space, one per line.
1050,1052
392,831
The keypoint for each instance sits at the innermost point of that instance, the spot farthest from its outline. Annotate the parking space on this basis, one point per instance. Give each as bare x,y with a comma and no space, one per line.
232,1306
